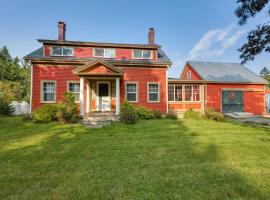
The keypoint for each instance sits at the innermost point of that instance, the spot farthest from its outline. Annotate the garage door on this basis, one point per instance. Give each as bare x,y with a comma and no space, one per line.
232,101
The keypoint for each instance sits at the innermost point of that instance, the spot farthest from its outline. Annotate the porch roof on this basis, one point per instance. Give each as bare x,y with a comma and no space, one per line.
98,68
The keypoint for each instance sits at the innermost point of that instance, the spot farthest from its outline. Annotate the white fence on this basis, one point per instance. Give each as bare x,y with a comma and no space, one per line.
20,108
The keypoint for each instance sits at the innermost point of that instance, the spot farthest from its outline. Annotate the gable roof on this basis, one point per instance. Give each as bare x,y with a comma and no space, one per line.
225,72
161,59
99,44
81,70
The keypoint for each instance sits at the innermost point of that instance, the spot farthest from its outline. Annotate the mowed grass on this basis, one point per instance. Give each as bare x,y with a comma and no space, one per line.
159,159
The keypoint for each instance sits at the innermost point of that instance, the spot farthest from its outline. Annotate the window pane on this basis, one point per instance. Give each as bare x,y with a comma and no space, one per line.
137,53
196,93
48,87
147,54
48,96
67,51
153,87
57,51
153,96
171,92
74,87
188,93
131,87
99,52
178,92
131,96
109,53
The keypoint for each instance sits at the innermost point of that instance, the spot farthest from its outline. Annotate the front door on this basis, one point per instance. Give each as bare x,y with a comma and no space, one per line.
103,97
232,101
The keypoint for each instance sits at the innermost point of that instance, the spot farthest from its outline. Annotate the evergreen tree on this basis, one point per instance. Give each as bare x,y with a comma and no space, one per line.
258,40
16,74
264,72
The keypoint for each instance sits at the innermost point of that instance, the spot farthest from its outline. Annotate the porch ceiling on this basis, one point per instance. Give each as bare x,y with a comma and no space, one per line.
98,68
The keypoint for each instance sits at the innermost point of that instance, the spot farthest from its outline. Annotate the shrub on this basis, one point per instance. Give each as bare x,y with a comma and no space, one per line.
213,115
128,113
45,113
191,114
144,113
171,116
157,114
68,110
5,107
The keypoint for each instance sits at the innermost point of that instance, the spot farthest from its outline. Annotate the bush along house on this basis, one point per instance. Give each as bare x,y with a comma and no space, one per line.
103,75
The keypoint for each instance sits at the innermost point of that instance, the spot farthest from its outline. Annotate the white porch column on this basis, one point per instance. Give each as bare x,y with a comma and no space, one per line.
87,97
117,90
81,96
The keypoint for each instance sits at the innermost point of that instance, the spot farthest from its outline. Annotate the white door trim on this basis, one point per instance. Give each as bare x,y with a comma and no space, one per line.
109,91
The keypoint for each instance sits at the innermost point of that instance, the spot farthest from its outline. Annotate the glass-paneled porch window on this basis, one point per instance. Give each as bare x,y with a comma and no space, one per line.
183,93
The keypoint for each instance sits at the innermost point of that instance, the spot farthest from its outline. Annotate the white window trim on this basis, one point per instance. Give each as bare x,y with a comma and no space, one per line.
137,91
184,94
151,55
68,82
42,89
94,53
148,100
51,51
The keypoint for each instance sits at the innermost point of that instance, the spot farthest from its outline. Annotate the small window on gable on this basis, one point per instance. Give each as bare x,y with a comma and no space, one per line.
104,53
189,75
61,51
142,54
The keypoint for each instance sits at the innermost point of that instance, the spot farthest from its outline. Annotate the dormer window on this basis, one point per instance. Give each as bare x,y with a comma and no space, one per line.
61,51
104,53
142,54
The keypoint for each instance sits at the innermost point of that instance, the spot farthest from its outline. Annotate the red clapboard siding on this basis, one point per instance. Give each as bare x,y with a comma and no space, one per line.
253,95
142,76
60,74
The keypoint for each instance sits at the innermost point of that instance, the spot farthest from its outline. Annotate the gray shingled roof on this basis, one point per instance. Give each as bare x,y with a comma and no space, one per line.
162,57
225,72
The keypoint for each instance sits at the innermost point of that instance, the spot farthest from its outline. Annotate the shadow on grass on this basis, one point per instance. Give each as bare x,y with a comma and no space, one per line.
162,159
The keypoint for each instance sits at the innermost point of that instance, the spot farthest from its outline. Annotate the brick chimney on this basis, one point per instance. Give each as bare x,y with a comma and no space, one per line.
61,31
151,37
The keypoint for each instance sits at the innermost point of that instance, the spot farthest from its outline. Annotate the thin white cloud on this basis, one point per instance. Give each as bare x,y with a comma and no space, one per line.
215,42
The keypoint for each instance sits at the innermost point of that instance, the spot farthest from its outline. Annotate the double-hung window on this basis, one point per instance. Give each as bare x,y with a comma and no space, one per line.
61,51
48,91
142,54
131,92
153,92
104,53
74,87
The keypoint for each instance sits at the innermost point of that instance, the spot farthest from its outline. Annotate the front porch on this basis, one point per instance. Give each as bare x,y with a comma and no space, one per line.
100,95
99,87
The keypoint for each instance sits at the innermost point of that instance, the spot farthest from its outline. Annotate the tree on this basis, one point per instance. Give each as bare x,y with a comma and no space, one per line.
264,72
258,40
15,73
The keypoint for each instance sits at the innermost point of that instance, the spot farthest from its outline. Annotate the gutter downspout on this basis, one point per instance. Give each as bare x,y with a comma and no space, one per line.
167,104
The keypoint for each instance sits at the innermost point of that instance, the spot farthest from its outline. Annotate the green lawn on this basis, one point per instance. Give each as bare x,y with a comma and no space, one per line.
160,159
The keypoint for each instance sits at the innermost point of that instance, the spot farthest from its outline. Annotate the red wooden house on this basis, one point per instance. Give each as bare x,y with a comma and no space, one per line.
102,75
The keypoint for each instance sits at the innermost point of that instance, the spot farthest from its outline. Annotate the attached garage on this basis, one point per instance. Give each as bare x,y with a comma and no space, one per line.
225,87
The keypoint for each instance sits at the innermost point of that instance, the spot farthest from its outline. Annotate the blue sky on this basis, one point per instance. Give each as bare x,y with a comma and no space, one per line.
191,29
